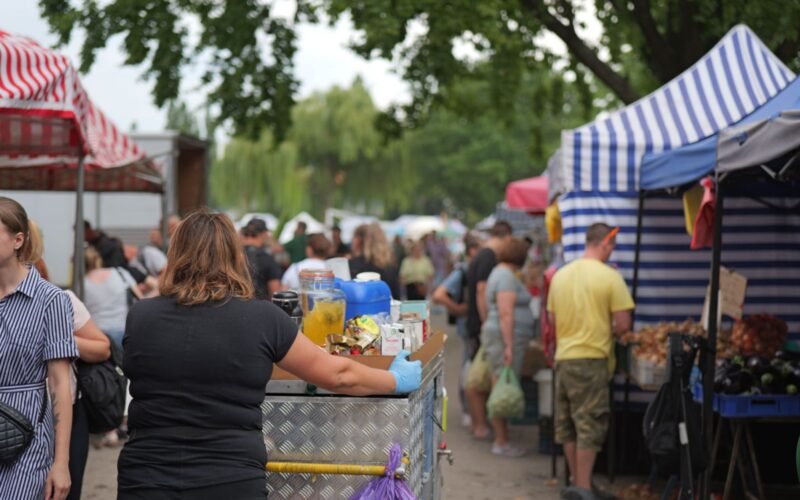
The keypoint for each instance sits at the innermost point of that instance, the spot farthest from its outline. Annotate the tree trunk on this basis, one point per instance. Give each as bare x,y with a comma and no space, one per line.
584,54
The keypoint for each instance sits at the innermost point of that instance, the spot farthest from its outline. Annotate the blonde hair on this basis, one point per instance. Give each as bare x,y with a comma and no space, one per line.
205,261
37,249
37,241
14,217
375,246
92,259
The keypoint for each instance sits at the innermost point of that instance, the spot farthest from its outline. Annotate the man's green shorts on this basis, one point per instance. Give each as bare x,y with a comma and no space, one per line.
582,405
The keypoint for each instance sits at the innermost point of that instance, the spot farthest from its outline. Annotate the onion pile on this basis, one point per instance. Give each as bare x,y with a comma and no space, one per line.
650,343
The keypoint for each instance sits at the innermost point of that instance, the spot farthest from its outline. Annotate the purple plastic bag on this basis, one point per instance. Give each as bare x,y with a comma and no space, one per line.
387,487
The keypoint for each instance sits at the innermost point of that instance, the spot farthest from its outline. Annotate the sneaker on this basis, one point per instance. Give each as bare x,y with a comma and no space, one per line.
575,493
602,494
466,420
508,451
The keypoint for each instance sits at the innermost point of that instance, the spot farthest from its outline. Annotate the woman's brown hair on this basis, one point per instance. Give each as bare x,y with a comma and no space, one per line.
514,252
205,262
13,216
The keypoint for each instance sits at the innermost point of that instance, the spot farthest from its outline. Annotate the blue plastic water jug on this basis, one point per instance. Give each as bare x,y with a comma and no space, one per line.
365,297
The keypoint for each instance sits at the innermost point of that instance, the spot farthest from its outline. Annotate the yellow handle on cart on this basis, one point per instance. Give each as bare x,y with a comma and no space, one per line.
340,469
316,468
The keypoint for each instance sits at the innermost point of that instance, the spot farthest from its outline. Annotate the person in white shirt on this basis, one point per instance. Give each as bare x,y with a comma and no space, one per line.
317,249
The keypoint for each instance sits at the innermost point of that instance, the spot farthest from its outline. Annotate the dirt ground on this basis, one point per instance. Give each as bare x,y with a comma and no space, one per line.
475,475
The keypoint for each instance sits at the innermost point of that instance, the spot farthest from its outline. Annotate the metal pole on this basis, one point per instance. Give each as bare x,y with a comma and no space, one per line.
97,202
77,257
164,222
713,308
638,247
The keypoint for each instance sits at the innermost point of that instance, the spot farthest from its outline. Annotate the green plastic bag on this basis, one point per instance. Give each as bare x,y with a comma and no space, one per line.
479,376
507,399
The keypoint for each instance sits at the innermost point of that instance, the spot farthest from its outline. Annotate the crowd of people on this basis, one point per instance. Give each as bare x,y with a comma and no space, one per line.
213,279
500,297
198,355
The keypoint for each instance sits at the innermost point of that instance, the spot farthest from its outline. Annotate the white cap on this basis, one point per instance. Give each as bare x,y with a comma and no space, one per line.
362,277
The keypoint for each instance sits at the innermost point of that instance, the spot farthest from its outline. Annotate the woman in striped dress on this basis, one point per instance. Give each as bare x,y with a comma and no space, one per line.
36,343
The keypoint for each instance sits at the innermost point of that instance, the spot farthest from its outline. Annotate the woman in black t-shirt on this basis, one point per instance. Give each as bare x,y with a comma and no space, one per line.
199,358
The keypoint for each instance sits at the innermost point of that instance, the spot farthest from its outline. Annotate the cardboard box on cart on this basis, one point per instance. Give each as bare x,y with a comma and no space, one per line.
426,354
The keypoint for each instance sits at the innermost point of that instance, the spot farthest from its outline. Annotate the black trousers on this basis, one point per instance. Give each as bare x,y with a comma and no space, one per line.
78,449
251,489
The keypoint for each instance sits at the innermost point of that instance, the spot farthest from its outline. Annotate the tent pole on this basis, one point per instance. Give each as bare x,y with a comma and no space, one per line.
638,247
711,357
164,223
97,201
77,257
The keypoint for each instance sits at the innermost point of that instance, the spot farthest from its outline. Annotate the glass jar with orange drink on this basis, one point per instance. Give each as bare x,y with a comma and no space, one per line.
323,305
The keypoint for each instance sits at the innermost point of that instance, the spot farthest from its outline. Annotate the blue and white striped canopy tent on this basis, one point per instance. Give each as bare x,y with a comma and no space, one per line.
688,163
737,76
600,166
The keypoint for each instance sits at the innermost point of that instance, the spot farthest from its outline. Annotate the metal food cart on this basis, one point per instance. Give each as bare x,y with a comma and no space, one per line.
334,445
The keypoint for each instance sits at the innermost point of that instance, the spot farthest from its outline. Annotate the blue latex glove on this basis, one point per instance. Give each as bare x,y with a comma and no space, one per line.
407,374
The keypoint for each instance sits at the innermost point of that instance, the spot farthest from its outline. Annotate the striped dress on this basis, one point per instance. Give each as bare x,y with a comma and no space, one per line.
35,326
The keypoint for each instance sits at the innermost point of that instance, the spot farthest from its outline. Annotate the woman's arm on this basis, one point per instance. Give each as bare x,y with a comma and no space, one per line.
58,480
505,310
343,375
93,345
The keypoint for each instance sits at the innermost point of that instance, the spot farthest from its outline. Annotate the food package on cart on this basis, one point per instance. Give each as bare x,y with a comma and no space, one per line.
361,337
392,339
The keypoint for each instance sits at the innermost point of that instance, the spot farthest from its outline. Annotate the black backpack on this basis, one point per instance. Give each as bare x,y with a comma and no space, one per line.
673,406
103,387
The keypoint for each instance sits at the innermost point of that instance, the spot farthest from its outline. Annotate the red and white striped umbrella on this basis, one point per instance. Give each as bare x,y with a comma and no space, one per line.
47,122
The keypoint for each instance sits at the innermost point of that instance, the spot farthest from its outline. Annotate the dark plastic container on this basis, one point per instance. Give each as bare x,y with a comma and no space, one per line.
365,297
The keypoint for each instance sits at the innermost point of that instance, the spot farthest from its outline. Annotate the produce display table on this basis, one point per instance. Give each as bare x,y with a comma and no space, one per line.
330,446
738,413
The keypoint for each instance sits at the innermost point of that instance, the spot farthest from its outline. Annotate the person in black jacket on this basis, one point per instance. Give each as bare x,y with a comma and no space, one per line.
199,357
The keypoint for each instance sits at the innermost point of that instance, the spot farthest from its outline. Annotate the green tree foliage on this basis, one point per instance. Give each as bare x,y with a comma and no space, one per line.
257,176
464,160
247,50
332,156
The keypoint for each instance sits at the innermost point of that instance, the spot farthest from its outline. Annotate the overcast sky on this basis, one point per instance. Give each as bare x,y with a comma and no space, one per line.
322,60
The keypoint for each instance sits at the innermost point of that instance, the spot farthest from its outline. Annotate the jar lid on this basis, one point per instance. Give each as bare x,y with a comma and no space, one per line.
364,277
316,274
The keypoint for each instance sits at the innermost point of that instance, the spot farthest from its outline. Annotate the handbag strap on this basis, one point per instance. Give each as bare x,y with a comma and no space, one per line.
128,288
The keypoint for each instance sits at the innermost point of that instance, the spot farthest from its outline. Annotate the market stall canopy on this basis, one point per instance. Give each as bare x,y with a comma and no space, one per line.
686,164
736,77
423,225
529,195
48,122
760,142
312,226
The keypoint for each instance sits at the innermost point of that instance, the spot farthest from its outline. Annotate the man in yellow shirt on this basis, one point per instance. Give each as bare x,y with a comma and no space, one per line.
588,302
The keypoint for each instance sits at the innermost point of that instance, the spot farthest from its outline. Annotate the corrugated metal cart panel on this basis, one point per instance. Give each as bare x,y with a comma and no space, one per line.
335,429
